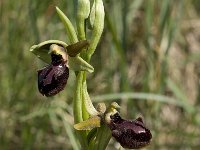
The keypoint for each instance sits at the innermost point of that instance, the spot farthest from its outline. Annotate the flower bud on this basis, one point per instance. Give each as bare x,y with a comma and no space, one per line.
130,134
97,18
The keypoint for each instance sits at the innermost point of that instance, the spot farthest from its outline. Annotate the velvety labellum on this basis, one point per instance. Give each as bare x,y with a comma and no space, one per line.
130,134
53,78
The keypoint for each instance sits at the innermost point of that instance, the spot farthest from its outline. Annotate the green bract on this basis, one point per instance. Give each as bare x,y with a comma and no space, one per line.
83,11
97,21
92,16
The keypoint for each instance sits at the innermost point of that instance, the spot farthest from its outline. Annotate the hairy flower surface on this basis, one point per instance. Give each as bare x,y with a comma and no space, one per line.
130,134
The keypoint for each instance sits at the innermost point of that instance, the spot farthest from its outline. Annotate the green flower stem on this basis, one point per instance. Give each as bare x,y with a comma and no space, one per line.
78,109
83,106
83,11
82,14
78,99
81,113
96,34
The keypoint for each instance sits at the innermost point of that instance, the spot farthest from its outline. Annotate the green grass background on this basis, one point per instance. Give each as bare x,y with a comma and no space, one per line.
148,60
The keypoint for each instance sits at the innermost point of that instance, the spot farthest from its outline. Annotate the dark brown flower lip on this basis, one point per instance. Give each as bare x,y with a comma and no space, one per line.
52,79
130,134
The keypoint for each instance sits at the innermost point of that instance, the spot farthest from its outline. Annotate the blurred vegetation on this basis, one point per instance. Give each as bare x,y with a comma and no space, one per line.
148,61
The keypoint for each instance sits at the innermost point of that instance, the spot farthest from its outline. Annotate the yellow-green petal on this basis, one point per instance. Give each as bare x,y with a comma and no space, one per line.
88,124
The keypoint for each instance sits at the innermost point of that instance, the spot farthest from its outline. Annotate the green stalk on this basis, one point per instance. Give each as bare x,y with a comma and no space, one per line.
78,99
78,109
102,138
83,11
87,107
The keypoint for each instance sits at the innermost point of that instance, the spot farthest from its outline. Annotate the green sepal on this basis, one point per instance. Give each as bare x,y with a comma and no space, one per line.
71,33
41,50
89,124
75,63
78,64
